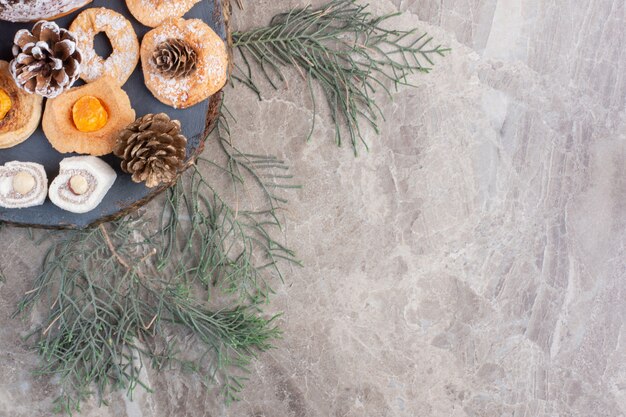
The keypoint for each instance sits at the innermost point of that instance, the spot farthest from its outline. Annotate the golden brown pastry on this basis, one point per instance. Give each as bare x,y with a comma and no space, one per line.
31,10
122,62
182,89
20,112
153,12
87,119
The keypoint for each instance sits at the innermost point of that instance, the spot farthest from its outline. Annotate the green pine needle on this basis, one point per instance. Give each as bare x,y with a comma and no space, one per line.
230,247
348,51
121,296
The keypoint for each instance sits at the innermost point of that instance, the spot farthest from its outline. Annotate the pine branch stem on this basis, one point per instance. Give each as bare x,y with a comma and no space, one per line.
111,247
346,50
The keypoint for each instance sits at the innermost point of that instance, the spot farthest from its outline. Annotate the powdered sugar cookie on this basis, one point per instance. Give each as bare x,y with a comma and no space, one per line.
122,62
32,10
154,12
195,40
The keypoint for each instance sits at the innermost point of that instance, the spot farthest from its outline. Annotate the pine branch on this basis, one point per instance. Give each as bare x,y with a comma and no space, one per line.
113,306
346,50
231,247
106,318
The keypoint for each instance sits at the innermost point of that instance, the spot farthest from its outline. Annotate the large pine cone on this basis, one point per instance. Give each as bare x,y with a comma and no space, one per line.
175,58
152,149
47,60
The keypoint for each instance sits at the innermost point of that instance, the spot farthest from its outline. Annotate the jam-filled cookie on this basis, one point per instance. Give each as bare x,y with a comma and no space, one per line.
82,183
153,12
22,185
87,119
20,112
184,62
122,62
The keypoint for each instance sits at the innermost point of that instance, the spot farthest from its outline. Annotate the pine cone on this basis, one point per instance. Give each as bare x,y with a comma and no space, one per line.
175,58
47,60
152,149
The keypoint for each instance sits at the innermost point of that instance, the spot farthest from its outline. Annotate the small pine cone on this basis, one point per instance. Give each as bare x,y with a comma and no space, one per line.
175,58
46,60
152,149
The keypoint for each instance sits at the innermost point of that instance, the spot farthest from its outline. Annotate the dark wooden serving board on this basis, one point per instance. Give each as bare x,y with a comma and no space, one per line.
125,196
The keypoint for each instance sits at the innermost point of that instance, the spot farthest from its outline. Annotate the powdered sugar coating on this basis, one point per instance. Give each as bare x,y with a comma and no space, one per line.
9,198
173,8
66,193
122,62
100,178
57,54
30,10
153,12
211,69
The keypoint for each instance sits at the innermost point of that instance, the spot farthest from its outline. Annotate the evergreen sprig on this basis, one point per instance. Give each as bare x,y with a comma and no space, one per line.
230,247
186,291
127,294
344,48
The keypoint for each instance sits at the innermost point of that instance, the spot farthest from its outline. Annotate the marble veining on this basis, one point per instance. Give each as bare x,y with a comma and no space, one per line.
473,264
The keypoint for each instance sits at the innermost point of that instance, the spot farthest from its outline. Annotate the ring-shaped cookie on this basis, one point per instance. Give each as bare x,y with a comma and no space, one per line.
125,57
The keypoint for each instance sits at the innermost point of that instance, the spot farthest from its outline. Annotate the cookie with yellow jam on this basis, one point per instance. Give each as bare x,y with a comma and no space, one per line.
20,112
87,119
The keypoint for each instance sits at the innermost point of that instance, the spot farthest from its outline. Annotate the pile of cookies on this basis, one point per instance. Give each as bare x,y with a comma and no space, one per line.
183,61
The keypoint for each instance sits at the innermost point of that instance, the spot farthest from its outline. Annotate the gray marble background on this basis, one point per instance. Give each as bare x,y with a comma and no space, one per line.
472,264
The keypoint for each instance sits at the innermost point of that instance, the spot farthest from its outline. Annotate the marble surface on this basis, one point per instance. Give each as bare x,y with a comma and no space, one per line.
473,264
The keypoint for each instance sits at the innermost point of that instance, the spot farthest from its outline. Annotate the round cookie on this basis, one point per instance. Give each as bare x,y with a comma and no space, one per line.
154,12
21,111
22,185
32,10
64,135
122,62
211,71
